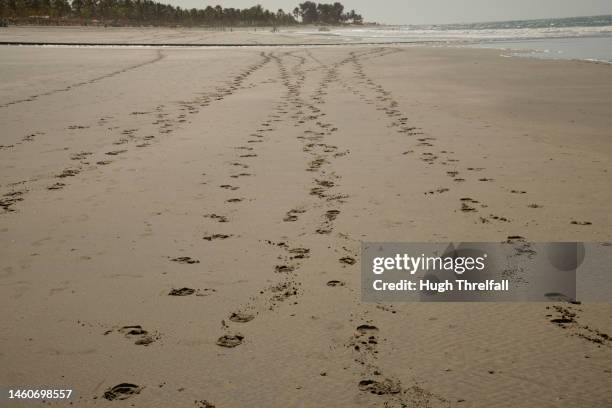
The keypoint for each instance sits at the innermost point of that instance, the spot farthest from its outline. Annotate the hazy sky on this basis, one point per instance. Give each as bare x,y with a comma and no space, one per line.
436,11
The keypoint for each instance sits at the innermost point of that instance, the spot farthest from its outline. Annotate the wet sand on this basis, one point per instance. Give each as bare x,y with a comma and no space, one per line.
189,222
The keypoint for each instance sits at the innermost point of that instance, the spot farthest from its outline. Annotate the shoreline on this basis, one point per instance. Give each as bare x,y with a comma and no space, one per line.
83,36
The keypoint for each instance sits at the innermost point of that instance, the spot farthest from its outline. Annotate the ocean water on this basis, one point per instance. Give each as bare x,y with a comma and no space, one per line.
587,38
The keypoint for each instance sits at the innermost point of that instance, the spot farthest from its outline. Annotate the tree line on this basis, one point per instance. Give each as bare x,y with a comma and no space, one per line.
149,12
320,13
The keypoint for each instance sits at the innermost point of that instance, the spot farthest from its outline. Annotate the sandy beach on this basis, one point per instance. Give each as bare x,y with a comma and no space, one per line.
161,35
160,204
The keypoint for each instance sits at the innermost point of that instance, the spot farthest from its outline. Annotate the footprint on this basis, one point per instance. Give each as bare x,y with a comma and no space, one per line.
325,183
181,292
56,186
80,156
136,330
498,218
283,291
204,404
291,215
467,208
143,338
230,340
331,215
511,239
240,175
347,260
439,191
122,391
290,218
367,329
229,187
284,268
185,260
220,218
334,283
581,223
68,173
115,152
241,317
234,200
383,387
216,236
299,253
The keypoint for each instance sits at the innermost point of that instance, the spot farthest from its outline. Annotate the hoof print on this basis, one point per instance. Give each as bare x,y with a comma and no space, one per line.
68,173
284,268
115,152
582,223
122,391
143,338
181,292
347,260
241,317
216,236
185,260
56,186
204,404
230,340
366,329
379,387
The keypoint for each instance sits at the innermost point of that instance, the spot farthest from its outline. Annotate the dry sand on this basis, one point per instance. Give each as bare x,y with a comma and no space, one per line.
246,175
